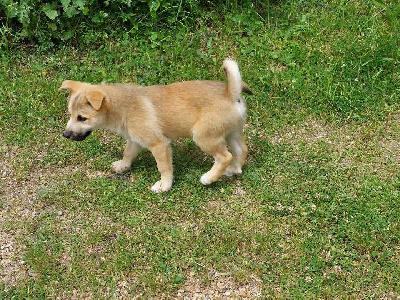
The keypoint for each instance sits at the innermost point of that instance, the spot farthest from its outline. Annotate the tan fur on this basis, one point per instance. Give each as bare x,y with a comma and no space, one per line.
212,113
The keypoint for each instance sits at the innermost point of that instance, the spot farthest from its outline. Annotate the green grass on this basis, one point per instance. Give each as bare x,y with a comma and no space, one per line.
315,213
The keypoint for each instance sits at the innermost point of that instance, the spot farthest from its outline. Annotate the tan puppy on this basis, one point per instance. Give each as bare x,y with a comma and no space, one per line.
212,113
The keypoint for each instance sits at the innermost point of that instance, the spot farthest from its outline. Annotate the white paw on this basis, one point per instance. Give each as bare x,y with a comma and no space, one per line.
120,166
160,186
205,180
231,170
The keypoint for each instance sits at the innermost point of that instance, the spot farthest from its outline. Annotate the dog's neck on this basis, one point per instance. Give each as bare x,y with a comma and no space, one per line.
118,123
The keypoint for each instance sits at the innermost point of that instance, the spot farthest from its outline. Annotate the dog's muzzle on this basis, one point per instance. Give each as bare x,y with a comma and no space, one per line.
76,137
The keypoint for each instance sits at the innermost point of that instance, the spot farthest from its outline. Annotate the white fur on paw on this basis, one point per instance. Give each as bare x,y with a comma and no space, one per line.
120,166
205,180
231,170
159,187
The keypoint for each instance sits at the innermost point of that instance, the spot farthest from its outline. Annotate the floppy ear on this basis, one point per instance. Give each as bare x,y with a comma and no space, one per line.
71,86
95,99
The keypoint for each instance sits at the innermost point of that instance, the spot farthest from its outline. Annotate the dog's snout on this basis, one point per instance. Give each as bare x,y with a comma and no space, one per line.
67,134
76,136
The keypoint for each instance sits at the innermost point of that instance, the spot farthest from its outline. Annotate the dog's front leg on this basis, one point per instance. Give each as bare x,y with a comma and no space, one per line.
162,153
131,151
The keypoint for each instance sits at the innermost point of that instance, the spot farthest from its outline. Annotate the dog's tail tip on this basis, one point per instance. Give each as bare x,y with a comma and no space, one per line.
229,61
232,72
230,65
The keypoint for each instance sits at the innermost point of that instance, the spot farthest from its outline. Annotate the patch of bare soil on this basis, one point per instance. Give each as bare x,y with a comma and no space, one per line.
11,260
374,146
308,132
20,203
19,200
220,286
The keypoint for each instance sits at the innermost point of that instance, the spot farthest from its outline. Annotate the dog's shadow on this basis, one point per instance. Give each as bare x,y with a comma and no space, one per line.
188,161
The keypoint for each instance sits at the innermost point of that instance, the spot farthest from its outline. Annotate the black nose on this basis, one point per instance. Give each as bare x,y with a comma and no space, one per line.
67,134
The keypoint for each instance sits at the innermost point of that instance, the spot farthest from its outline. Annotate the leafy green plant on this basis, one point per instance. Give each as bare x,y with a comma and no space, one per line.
64,19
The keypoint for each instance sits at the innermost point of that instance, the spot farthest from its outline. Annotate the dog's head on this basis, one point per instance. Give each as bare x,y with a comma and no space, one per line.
87,108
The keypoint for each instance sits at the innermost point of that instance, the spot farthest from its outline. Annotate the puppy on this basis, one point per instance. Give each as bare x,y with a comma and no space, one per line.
212,113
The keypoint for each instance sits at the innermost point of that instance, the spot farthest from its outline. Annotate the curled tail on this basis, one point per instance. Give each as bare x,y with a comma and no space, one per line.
235,85
234,78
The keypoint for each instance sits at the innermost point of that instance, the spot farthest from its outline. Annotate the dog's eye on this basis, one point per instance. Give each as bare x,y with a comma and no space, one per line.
81,119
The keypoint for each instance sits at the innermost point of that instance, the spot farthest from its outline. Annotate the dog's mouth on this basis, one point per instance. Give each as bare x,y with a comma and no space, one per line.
76,137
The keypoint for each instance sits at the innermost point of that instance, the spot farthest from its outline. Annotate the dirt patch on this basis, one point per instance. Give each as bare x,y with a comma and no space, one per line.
220,286
370,145
392,148
11,260
308,132
12,264
20,202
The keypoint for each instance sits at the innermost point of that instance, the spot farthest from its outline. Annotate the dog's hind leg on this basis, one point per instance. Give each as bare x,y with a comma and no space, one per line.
131,151
239,151
222,157
162,153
